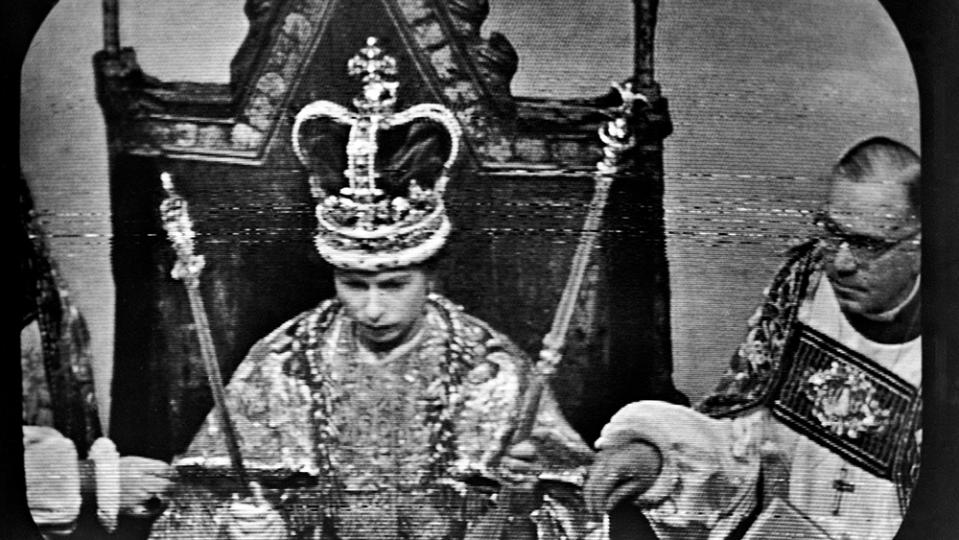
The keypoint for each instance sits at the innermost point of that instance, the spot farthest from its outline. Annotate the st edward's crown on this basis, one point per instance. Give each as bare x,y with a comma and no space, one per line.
363,226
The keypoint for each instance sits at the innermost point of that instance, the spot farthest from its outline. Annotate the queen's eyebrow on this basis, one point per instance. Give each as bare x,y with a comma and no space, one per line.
395,277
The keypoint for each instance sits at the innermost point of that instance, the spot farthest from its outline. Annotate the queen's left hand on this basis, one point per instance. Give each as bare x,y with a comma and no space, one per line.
144,484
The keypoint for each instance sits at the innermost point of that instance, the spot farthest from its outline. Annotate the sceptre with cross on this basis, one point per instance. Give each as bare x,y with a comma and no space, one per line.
617,138
187,269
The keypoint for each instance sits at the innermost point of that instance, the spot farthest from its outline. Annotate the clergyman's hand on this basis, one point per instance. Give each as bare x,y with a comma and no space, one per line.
621,473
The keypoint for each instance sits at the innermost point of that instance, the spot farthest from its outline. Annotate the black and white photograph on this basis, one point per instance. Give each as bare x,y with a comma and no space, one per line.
484,270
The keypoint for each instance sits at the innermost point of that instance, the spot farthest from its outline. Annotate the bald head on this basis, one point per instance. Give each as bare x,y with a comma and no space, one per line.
874,189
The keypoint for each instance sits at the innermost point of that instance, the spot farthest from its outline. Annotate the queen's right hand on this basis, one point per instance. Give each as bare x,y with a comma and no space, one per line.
254,518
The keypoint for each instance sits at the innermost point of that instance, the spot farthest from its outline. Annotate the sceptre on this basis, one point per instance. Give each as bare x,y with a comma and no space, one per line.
188,267
617,139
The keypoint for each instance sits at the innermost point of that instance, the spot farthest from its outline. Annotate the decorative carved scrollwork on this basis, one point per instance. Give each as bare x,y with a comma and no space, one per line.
495,58
260,14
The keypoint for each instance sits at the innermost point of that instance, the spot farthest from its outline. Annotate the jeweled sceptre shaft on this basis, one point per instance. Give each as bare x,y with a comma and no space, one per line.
188,267
617,139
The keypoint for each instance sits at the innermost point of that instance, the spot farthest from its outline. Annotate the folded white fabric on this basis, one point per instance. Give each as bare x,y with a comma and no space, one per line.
709,467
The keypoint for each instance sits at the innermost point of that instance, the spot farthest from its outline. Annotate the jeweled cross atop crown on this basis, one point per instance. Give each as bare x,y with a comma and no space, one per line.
376,69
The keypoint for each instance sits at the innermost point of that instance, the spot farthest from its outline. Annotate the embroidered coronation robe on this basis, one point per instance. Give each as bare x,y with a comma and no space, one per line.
351,445
738,467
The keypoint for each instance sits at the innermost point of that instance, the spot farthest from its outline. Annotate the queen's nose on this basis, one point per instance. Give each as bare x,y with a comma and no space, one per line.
373,308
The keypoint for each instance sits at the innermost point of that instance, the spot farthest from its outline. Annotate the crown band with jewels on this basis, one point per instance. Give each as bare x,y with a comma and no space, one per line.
361,227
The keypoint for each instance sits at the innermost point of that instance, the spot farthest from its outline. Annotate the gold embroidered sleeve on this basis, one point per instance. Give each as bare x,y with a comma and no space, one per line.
492,392
269,408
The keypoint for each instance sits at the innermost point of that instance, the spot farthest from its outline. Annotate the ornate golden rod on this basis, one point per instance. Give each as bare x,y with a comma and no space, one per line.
188,267
617,138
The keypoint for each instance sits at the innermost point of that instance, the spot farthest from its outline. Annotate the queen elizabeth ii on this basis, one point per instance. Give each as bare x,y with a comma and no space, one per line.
387,411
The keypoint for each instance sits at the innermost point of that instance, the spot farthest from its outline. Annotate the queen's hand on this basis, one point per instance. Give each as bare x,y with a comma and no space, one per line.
144,484
254,518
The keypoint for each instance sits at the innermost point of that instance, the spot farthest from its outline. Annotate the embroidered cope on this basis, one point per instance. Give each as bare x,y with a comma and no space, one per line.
713,463
367,446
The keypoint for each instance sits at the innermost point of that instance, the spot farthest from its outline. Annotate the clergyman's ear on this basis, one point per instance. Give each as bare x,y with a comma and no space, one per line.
916,247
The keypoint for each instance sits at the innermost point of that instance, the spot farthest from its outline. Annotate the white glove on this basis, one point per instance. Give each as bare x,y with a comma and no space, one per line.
52,476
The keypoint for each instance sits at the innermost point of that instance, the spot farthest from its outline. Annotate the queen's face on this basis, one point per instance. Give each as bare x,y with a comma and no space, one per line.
387,306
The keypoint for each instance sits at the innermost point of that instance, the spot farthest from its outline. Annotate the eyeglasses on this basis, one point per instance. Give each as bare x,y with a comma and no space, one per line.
863,247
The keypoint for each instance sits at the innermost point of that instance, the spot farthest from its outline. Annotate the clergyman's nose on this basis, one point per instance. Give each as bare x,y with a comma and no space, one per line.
844,261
